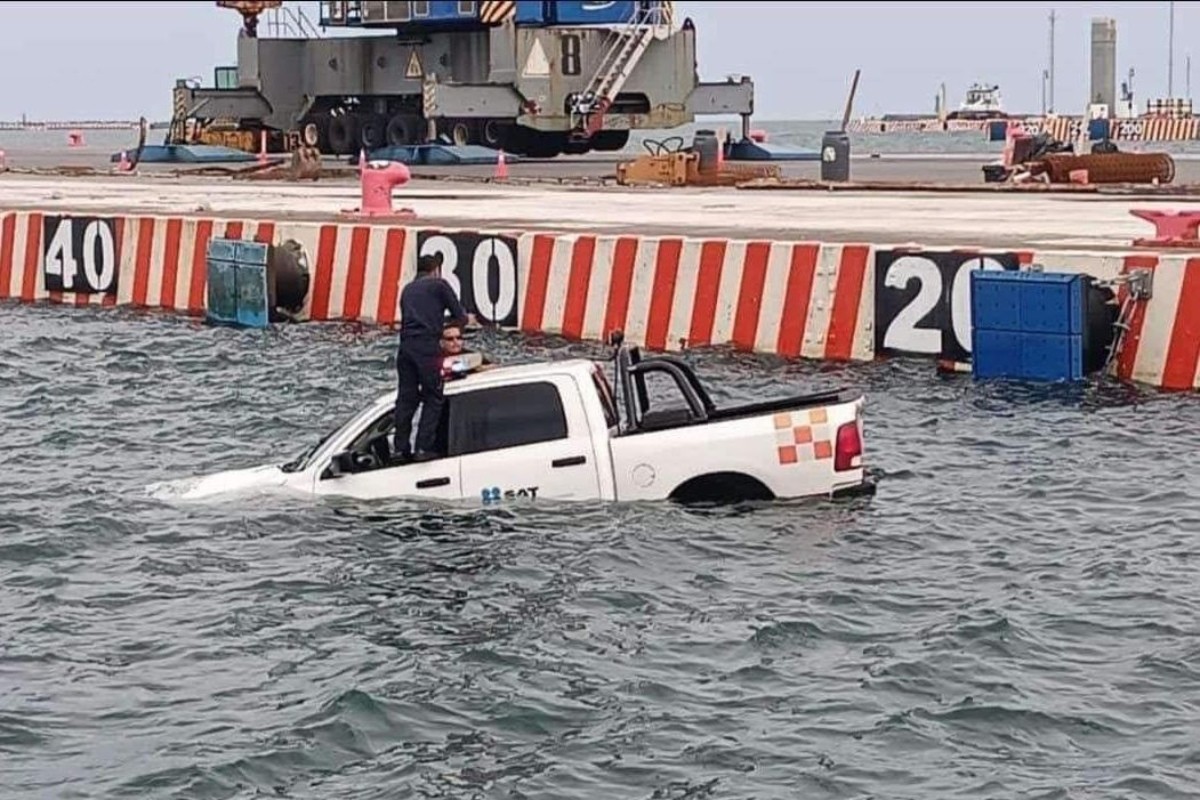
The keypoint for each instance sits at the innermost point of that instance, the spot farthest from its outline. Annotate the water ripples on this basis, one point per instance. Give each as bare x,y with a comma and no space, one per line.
1013,615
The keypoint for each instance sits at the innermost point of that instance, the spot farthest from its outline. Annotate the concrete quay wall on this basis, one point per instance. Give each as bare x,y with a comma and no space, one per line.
819,300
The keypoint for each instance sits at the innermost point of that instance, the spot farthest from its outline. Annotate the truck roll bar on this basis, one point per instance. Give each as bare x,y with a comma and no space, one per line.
632,370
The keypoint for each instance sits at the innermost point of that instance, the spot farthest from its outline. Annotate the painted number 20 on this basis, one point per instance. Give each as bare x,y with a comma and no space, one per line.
99,263
903,333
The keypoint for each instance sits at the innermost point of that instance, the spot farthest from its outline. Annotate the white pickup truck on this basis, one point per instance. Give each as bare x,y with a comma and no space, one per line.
558,431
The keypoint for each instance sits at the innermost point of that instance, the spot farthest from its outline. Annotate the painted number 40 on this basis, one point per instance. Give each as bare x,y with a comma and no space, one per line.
81,255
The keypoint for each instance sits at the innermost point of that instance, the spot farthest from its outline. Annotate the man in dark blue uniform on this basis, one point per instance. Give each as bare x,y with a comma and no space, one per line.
423,306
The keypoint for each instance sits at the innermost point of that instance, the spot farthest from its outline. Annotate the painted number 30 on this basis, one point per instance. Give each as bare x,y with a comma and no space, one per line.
489,251
903,333
97,252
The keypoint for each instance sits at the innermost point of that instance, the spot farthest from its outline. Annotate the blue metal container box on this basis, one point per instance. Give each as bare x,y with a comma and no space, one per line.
1028,325
531,13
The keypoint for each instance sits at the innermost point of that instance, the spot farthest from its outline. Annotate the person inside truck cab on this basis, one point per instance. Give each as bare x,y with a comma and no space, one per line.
457,360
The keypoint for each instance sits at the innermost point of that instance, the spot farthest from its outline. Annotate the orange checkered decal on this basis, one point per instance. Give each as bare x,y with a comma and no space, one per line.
803,436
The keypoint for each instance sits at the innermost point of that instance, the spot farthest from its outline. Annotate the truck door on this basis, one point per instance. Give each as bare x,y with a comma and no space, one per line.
374,477
524,440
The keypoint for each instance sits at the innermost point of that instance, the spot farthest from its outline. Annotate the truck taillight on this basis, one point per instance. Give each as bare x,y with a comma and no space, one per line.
848,454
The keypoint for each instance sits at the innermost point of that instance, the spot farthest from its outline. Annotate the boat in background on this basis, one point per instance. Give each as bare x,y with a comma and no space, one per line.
1171,119
982,103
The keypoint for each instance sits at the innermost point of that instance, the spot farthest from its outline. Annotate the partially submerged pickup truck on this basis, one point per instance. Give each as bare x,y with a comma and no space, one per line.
559,431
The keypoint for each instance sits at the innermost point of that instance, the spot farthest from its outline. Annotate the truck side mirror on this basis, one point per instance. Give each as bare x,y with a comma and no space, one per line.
341,464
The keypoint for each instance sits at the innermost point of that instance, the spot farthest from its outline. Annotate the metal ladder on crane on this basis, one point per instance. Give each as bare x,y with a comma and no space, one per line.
284,22
623,49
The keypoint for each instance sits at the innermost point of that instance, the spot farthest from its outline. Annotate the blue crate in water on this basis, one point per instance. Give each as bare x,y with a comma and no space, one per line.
1029,325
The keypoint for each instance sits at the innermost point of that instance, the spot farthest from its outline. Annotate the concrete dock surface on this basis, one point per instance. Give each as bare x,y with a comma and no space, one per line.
964,168
991,220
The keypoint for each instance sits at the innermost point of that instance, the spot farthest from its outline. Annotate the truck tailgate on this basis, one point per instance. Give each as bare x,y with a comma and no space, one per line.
815,450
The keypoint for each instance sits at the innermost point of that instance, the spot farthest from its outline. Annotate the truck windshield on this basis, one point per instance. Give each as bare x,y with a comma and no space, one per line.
302,461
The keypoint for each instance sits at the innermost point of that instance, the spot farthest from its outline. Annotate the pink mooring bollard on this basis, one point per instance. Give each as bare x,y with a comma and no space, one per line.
378,181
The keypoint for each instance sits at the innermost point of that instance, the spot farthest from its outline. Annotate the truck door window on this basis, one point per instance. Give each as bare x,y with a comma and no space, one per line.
506,416
606,398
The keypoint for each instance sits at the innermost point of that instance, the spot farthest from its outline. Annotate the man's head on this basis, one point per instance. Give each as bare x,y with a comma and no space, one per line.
430,264
452,340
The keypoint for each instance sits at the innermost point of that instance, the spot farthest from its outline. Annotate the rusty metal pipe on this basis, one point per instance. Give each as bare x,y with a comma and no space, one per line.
1112,167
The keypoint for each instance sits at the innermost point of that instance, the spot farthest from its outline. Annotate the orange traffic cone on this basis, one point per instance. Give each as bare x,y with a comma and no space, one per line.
501,167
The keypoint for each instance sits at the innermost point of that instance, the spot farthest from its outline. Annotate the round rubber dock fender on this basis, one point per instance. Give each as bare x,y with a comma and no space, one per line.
289,278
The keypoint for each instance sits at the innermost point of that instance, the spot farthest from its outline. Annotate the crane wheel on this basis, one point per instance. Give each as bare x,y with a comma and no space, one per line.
343,134
311,135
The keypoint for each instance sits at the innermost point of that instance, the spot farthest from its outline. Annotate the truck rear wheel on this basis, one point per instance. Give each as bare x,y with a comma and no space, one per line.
721,487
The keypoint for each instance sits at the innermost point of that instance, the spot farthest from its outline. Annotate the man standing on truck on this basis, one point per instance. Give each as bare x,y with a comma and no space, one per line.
423,307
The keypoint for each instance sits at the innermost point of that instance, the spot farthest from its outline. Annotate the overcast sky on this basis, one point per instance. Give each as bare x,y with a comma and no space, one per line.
81,60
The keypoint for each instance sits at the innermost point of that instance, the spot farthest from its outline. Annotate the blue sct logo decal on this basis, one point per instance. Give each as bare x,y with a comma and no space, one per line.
598,6
493,494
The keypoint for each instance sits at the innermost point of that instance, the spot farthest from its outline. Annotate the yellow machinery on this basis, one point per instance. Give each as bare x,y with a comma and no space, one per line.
229,132
700,166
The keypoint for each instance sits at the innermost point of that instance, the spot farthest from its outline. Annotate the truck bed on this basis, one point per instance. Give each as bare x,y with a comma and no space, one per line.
668,419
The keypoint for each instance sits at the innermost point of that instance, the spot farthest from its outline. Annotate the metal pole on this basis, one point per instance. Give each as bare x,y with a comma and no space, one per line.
1053,20
850,101
1171,52
1045,77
